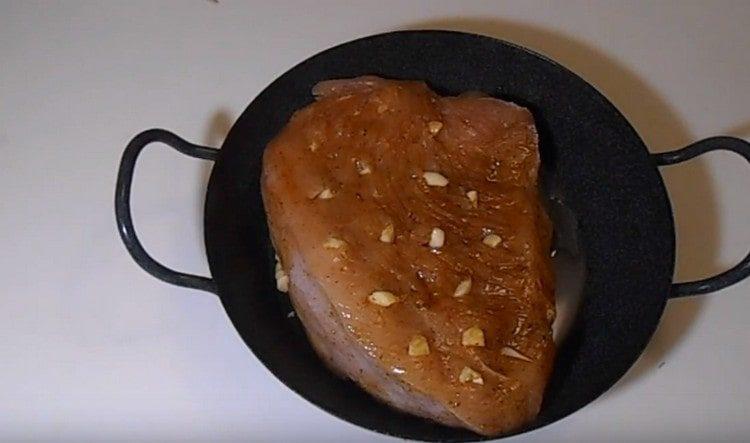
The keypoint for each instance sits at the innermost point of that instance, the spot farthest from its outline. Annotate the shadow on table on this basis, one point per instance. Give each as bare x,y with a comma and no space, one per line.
690,185
742,130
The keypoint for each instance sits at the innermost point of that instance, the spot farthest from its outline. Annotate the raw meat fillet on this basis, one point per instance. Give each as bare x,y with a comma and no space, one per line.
415,248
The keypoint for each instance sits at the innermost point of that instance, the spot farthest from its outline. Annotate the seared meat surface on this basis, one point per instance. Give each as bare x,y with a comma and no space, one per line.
415,248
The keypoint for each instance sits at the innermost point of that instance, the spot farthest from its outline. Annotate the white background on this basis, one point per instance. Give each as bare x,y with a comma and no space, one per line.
91,347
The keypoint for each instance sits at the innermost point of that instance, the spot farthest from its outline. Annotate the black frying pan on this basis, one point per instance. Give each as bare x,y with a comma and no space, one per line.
600,168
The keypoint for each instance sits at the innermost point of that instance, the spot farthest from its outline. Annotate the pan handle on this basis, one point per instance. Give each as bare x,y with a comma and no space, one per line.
742,269
125,219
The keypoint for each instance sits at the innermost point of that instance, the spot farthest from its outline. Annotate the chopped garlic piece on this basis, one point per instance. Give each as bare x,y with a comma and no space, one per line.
463,288
469,375
282,279
313,146
363,168
435,179
473,337
473,197
382,298
492,240
510,352
282,283
382,108
325,194
387,235
437,238
434,126
418,346
333,243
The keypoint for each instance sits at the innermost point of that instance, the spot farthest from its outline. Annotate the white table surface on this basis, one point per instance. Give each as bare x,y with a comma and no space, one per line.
92,348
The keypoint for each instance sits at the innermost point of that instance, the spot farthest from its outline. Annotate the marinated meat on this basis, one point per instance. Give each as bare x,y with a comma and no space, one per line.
415,248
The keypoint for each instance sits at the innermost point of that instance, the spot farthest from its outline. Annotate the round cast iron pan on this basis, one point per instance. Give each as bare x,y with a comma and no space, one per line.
600,167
